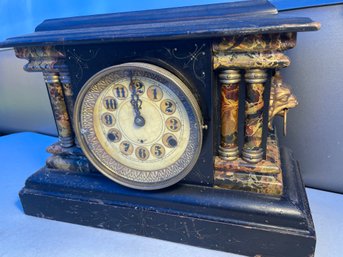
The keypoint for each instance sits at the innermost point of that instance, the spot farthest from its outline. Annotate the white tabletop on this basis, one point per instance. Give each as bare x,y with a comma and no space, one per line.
23,236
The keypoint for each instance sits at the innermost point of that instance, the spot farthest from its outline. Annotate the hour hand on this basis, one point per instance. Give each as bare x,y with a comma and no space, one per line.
136,104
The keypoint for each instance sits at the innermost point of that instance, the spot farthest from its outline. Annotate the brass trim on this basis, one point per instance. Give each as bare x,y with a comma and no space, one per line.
229,154
255,76
51,77
229,76
252,155
65,78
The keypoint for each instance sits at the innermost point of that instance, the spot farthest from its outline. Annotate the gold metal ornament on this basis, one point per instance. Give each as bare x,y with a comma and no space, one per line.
285,122
281,101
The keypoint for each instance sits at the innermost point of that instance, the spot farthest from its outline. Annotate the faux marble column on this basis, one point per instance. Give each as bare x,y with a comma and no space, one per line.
252,149
229,80
59,108
64,78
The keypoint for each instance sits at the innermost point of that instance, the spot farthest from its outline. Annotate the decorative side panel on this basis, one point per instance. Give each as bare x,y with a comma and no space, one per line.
51,62
257,168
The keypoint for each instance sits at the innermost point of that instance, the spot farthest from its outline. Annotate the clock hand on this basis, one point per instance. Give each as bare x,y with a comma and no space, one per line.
136,104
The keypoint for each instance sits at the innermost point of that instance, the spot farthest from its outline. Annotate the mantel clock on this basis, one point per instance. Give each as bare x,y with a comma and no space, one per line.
165,126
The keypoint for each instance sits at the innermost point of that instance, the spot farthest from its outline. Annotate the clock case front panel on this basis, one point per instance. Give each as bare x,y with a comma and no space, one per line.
189,60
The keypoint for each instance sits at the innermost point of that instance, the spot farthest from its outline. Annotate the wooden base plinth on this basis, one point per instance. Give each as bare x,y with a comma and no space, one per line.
226,220
263,177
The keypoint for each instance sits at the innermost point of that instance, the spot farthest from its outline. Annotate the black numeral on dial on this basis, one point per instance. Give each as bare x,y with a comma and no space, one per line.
110,103
108,119
142,153
155,93
157,150
169,140
120,91
168,107
140,88
173,124
126,147
114,135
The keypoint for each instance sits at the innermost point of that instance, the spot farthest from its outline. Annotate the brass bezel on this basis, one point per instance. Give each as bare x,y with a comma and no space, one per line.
111,174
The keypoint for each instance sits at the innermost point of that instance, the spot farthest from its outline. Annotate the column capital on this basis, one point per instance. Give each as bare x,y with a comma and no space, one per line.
253,51
256,43
42,58
229,76
255,76
51,77
263,60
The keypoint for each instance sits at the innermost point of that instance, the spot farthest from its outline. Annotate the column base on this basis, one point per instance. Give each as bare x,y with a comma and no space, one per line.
68,159
66,141
263,177
252,156
229,154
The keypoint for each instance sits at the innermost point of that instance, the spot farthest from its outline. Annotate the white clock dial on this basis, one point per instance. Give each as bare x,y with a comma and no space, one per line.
141,124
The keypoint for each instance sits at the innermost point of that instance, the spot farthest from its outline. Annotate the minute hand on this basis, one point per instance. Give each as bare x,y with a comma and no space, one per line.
136,104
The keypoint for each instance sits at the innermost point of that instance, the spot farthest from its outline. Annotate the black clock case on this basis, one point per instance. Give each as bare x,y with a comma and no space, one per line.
193,212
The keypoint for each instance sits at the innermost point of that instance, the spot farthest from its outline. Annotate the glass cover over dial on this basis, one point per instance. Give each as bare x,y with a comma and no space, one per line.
139,125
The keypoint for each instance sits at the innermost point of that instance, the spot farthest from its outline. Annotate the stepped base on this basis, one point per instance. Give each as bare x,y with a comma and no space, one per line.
226,220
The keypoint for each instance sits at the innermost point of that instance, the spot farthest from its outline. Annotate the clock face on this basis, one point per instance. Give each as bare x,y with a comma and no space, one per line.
139,125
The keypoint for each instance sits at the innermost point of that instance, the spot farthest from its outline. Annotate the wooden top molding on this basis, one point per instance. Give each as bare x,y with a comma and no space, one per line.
205,21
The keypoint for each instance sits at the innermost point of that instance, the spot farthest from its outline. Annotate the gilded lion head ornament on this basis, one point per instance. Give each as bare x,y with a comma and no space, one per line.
281,100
